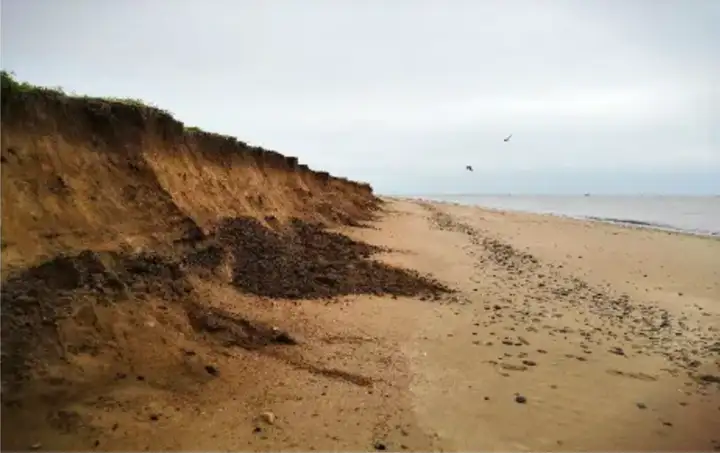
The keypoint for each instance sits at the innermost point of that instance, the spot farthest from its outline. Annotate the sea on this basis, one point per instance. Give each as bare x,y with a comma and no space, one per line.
698,215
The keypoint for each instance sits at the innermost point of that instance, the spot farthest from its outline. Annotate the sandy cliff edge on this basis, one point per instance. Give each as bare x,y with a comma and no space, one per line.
83,172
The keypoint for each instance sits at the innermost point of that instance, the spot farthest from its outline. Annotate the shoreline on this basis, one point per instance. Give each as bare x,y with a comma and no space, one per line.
624,223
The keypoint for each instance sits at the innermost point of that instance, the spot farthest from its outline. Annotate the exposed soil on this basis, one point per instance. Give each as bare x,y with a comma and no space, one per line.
307,262
301,261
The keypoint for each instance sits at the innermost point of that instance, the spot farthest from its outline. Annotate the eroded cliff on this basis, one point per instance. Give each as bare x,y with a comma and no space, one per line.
134,250
82,173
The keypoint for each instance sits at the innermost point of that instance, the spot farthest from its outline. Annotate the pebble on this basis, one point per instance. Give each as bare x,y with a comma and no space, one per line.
641,405
268,417
520,399
380,446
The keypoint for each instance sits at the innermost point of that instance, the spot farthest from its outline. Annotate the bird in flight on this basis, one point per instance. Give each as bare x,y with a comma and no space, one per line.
468,168
507,139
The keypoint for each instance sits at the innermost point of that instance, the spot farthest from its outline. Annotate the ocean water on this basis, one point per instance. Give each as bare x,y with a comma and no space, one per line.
696,215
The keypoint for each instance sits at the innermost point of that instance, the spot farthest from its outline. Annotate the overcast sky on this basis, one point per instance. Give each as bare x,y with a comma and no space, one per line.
601,96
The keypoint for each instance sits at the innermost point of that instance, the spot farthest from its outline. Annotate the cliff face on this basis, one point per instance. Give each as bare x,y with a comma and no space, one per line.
81,173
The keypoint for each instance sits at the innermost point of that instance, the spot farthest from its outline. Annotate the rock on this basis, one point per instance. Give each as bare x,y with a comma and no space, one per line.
212,370
529,363
380,446
520,399
709,378
268,417
35,446
512,367
617,350
641,405
285,338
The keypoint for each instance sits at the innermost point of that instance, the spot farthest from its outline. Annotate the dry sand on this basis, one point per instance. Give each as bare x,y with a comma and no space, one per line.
560,335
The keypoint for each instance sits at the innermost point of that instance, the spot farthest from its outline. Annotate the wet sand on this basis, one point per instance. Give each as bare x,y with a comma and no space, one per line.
560,335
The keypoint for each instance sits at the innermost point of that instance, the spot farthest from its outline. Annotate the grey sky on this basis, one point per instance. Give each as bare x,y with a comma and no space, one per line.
600,95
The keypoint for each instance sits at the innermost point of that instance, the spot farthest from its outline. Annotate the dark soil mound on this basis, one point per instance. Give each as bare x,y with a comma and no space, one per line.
308,262
36,301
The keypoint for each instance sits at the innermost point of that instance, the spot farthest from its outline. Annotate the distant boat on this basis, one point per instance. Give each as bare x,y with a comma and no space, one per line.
469,168
587,194
507,139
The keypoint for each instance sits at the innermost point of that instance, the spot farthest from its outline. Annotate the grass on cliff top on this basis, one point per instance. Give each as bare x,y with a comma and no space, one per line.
10,85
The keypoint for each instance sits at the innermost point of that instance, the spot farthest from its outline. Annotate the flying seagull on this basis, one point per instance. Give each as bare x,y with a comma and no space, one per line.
468,168
507,139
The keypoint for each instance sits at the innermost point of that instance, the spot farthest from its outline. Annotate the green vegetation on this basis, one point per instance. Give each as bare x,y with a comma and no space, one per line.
13,87
10,85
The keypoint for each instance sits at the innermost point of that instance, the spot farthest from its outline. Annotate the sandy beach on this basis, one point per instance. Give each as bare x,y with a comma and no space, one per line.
558,335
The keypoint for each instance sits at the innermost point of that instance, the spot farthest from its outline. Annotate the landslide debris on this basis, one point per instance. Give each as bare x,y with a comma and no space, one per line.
50,311
307,262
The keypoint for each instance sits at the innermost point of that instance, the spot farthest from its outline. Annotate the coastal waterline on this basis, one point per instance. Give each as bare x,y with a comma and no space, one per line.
689,214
